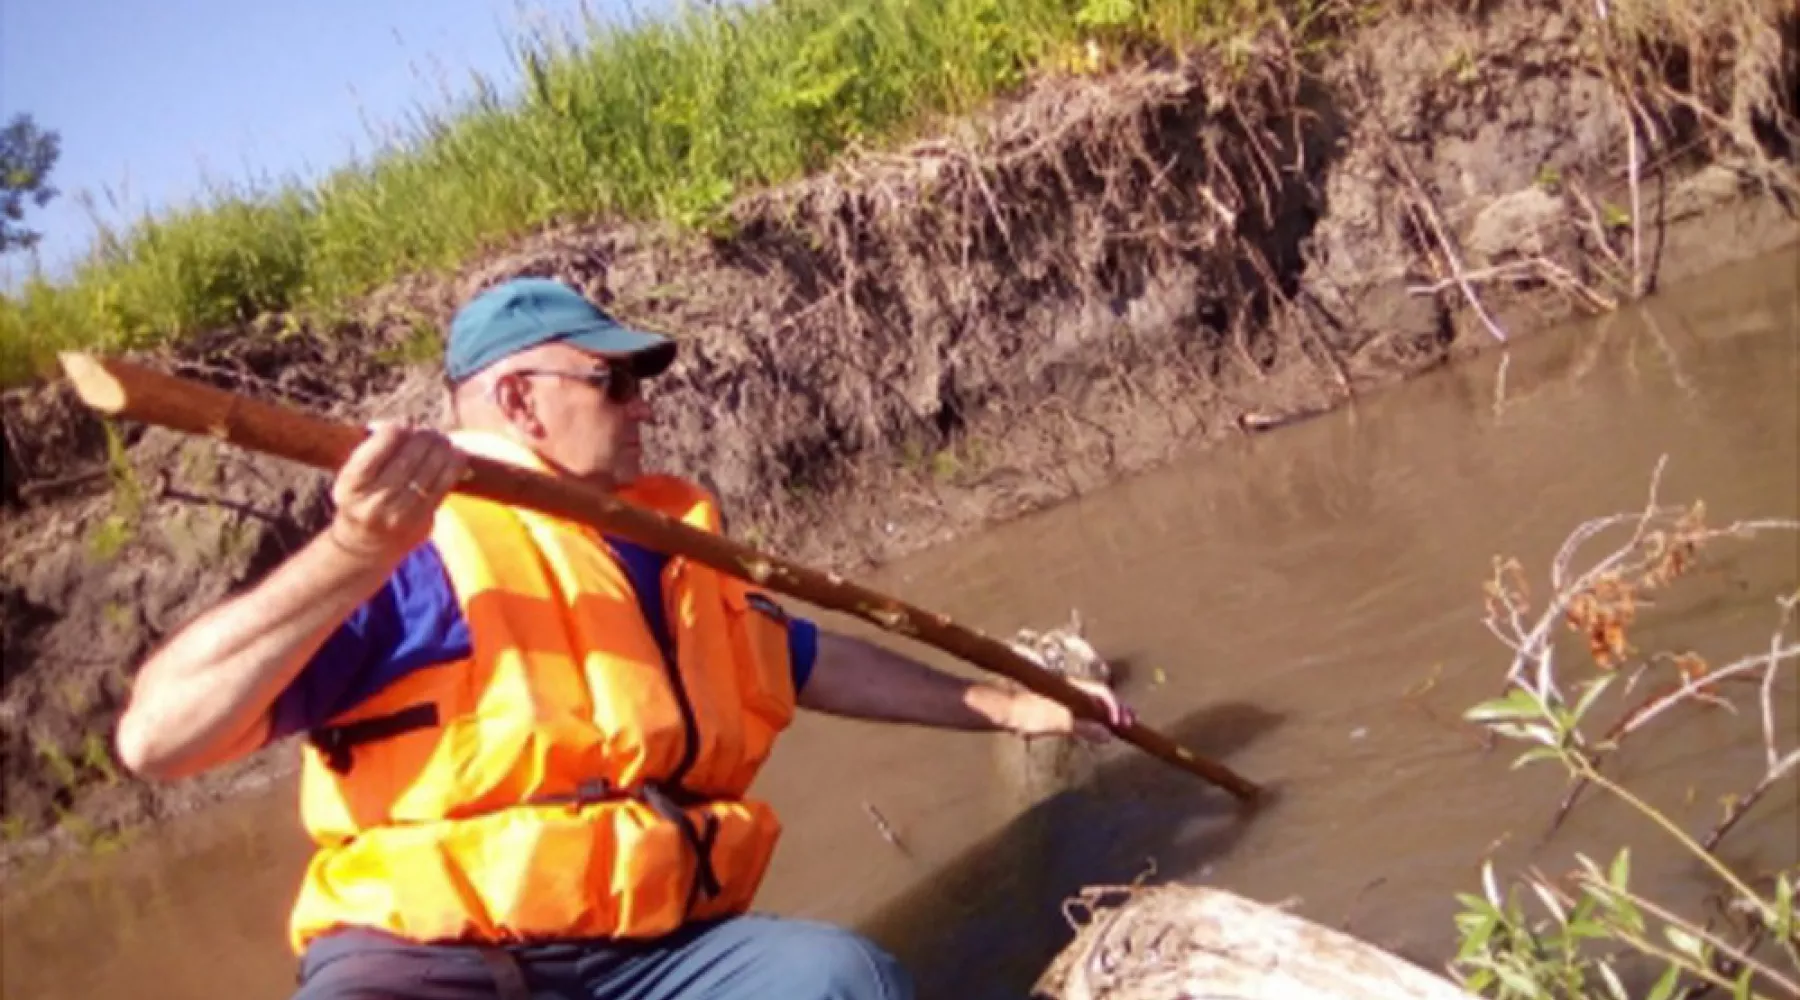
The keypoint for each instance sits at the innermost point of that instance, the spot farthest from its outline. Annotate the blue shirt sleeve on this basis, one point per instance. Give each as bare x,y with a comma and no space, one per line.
411,623
644,568
803,648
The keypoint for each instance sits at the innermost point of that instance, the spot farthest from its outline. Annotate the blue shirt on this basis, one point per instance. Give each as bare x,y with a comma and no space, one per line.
414,622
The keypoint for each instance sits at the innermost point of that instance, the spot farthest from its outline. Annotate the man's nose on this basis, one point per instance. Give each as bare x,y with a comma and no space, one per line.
640,411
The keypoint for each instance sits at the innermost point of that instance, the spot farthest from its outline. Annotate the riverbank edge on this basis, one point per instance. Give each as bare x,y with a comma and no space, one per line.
1097,277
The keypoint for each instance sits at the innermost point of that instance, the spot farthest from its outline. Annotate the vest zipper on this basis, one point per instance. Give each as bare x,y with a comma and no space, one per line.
656,793
706,882
690,724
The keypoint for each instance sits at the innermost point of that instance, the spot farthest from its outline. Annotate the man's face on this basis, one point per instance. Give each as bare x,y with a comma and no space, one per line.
578,410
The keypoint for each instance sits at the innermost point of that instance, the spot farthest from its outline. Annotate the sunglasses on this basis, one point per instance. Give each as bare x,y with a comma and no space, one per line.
619,382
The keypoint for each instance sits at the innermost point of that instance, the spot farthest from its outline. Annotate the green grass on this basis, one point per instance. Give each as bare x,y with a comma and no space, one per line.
662,119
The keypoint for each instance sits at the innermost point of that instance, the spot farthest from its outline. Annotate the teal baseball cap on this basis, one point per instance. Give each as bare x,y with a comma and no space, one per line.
525,312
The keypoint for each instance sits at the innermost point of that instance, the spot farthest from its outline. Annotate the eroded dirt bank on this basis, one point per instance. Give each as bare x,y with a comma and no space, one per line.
1103,271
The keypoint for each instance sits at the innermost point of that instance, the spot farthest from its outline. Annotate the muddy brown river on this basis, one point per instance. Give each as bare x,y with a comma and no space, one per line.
1304,605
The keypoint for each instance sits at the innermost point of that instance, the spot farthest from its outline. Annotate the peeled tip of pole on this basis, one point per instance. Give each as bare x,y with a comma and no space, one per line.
93,382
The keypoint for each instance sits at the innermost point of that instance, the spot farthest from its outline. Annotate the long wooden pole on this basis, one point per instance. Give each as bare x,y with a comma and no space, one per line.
124,389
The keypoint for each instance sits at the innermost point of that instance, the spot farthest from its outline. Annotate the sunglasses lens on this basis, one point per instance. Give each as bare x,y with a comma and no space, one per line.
622,385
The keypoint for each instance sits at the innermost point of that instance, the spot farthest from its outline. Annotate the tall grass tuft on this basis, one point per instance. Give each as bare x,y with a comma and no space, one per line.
666,118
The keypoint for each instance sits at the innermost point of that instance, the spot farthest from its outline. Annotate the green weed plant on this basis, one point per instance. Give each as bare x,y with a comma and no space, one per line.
1592,931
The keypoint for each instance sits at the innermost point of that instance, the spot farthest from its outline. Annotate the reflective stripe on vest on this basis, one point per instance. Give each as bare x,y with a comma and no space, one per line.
565,780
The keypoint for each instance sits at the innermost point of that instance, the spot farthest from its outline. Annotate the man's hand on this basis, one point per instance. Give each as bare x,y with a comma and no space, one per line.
1032,714
388,491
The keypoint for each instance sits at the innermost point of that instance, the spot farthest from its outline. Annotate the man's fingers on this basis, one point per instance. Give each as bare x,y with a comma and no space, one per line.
394,480
1041,716
1116,713
389,489
367,459
400,475
441,469
1120,713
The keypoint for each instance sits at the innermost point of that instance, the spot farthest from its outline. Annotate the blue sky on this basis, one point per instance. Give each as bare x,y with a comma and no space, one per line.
152,98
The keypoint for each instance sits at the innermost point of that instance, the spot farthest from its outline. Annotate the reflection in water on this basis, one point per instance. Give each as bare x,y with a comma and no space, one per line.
986,924
1304,605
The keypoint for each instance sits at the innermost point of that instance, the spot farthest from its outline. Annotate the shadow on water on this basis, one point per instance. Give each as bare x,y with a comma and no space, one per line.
989,922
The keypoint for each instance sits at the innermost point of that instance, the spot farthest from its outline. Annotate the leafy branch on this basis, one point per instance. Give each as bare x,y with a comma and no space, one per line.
1596,919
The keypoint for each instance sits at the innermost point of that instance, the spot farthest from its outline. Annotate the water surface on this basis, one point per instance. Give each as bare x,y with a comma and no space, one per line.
1304,605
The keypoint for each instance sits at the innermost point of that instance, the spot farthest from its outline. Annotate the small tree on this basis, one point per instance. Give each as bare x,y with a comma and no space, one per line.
27,153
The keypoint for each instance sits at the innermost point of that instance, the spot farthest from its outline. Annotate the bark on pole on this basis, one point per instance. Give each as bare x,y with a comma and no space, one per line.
123,389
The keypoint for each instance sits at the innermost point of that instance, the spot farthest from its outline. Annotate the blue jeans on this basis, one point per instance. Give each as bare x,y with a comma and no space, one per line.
741,957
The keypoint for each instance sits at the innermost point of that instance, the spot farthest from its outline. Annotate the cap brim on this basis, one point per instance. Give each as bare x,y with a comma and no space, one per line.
650,354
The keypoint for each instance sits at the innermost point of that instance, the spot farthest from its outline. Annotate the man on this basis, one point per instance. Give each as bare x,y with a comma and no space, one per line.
528,746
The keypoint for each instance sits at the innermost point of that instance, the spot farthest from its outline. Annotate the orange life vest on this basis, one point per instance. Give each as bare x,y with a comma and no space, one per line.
566,780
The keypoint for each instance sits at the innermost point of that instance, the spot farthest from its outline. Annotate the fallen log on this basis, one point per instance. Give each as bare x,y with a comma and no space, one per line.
1179,941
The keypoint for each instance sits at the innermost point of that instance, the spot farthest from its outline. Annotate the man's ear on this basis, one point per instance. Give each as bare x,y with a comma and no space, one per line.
514,400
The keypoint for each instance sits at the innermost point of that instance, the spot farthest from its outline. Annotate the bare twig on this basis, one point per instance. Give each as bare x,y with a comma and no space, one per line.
1559,569
1699,683
1350,908
978,174
1562,278
1446,244
1620,273
1633,720
1740,807
1596,883
1537,266
840,294
12,448
41,487
235,506
1724,966
1788,605
1425,206
1637,207
279,523
883,827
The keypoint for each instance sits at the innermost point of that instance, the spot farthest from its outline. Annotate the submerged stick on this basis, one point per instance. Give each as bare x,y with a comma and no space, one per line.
123,389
